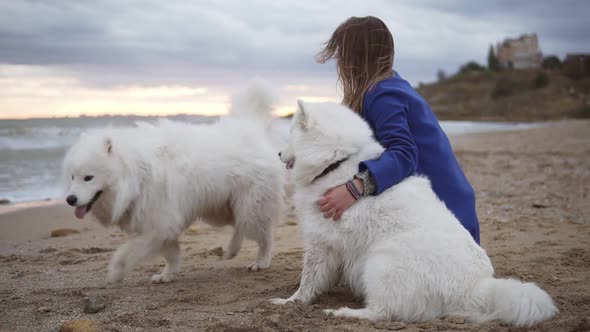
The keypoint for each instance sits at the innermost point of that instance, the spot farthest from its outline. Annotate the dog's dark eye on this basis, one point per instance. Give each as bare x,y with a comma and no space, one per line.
88,178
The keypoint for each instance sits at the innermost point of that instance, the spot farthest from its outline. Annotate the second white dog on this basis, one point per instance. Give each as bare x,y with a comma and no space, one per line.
402,251
153,181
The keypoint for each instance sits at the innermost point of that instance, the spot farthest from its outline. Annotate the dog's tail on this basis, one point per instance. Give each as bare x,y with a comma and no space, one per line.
512,301
255,101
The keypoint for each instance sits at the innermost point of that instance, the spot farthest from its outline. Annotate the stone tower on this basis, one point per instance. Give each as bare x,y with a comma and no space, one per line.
520,53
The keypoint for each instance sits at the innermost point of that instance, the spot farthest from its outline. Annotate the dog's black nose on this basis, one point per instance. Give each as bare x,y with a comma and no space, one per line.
72,200
279,155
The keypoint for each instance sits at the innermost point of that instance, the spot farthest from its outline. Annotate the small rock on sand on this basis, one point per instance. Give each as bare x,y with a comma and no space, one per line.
4,201
79,325
48,250
192,230
291,222
388,325
44,309
216,251
455,319
91,250
63,232
94,304
274,319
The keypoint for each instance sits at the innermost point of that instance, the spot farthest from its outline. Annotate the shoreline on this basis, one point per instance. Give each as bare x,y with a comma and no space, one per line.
19,206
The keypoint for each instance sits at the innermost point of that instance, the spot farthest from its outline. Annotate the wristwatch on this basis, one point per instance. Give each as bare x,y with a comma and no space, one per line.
368,182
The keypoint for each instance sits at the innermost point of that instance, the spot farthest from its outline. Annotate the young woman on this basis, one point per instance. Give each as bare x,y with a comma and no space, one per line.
401,121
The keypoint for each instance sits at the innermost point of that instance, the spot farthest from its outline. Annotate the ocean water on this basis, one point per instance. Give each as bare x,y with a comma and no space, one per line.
31,151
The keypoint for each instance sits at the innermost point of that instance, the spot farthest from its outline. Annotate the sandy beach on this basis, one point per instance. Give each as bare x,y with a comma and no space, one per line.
533,190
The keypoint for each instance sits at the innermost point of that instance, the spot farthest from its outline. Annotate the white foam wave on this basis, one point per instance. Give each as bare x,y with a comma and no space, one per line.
37,138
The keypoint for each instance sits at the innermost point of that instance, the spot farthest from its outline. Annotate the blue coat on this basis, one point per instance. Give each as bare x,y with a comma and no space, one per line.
406,127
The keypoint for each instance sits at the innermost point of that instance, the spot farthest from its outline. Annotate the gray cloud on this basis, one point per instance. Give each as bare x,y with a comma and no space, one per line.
113,42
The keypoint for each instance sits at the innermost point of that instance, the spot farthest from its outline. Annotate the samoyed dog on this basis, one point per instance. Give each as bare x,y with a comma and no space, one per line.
153,181
402,251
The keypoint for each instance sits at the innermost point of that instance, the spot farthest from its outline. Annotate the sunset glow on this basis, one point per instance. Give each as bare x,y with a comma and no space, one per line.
27,91
38,92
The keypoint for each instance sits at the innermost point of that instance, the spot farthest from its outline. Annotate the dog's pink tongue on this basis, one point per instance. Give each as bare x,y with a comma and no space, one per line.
80,211
290,163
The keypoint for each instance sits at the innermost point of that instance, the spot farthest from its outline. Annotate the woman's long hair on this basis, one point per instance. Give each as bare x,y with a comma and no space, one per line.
363,49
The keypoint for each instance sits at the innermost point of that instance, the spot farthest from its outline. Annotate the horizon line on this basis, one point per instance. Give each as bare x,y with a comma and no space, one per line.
126,115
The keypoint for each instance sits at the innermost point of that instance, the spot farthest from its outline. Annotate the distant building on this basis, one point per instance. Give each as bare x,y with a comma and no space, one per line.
520,53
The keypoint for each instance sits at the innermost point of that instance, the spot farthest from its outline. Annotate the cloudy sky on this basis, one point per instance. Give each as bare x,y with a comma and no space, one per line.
65,58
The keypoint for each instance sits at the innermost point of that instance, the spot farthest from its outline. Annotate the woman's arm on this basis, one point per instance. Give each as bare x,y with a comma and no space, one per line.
388,116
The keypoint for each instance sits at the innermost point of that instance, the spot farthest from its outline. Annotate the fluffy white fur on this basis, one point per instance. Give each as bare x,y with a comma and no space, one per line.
403,251
157,179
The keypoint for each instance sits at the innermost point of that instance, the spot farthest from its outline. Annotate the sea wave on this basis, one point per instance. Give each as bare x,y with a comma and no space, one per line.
37,138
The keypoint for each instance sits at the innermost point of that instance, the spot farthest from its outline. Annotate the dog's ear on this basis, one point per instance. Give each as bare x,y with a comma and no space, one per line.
301,105
301,115
108,144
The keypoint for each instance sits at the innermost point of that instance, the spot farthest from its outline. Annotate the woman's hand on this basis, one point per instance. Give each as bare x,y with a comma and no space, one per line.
336,200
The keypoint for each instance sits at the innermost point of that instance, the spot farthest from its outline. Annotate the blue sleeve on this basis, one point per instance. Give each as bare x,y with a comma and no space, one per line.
387,114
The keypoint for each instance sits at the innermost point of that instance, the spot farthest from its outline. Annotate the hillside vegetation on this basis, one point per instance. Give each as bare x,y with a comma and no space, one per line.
518,95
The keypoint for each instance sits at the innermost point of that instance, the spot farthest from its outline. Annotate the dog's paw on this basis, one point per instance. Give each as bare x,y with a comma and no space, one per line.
279,301
162,278
256,266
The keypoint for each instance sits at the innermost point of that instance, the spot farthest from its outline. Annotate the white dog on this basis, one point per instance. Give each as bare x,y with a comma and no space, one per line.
153,181
402,251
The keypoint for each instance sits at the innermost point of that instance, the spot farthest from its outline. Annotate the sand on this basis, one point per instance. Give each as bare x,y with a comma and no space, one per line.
533,201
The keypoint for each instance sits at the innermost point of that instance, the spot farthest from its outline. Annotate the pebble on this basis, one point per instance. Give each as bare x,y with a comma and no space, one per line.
44,309
216,251
192,230
275,318
63,232
455,319
79,325
388,325
94,304
48,250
